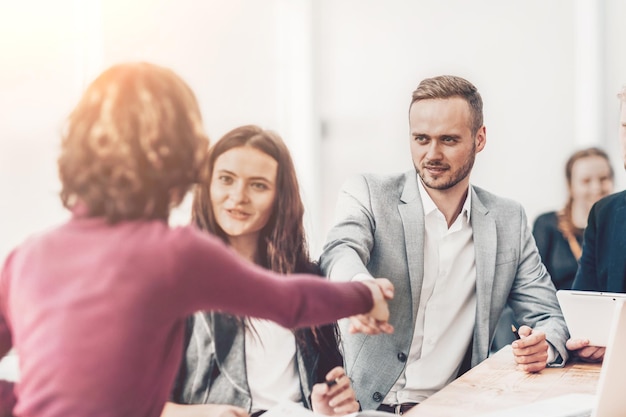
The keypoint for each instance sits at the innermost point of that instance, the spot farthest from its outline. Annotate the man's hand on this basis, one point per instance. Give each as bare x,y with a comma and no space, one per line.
377,320
581,349
531,350
335,398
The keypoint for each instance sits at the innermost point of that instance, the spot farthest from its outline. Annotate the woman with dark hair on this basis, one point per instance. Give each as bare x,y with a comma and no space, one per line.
95,307
235,366
559,234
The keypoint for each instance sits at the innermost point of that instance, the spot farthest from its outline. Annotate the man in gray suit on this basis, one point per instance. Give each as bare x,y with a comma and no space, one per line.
455,253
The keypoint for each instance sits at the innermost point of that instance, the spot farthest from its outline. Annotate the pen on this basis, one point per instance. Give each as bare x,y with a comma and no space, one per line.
515,332
333,382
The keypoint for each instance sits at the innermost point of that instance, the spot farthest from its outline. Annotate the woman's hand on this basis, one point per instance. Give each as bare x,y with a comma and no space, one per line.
335,400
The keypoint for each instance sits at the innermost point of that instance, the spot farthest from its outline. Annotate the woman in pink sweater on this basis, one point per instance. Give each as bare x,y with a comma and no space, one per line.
95,307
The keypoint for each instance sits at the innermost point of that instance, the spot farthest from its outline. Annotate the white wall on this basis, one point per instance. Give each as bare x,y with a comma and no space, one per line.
344,67
227,51
615,77
521,56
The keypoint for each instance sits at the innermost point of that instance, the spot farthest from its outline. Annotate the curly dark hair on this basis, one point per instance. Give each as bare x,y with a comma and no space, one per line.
133,145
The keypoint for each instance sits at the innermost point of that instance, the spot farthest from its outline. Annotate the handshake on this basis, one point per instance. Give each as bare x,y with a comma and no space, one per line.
377,320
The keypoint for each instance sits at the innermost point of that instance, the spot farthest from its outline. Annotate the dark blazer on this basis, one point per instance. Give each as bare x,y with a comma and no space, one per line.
603,263
555,251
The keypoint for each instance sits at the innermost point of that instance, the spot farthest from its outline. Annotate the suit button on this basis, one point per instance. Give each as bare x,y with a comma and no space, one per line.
378,397
401,357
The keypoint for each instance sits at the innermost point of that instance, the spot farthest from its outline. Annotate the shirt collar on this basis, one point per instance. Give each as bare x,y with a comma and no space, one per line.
429,205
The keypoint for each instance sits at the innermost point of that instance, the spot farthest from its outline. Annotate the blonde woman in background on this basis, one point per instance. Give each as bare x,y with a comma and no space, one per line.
559,234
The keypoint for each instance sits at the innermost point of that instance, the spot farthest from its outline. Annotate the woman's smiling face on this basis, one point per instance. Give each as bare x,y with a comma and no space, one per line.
243,191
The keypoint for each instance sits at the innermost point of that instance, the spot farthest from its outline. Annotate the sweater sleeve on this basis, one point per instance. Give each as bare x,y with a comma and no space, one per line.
7,399
212,276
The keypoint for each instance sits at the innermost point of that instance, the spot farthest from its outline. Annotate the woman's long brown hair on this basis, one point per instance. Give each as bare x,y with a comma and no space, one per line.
282,243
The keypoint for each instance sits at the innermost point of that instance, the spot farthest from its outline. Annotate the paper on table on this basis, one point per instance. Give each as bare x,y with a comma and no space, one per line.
291,409
569,405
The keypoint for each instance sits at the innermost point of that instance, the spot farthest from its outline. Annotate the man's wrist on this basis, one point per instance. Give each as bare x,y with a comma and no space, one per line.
361,276
554,358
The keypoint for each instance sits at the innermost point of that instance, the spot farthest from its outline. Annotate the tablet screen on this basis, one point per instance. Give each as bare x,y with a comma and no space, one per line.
588,314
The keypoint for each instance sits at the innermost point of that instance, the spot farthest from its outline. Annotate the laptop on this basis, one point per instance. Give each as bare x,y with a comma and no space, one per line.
609,400
588,314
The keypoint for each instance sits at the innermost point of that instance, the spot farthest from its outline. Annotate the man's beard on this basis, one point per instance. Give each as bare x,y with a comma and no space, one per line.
458,176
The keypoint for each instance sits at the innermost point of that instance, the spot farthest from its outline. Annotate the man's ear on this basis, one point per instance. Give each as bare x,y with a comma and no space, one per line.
481,138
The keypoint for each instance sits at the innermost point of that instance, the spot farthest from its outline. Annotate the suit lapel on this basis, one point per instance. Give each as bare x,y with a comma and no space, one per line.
230,352
485,246
618,266
412,215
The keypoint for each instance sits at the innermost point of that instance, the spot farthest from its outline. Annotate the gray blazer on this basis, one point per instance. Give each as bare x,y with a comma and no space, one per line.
380,231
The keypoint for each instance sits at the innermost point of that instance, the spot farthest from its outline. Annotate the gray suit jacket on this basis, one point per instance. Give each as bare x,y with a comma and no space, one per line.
380,231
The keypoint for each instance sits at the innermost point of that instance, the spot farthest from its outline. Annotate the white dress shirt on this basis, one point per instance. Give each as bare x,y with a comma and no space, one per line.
447,309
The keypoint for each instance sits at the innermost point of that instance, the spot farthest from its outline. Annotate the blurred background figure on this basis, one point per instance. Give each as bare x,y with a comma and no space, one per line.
559,234
602,265
234,366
